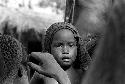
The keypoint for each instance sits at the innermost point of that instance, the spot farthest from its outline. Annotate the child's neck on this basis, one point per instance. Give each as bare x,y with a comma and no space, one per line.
73,75
70,71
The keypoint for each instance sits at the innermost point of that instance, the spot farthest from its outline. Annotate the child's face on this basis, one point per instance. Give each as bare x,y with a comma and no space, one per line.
64,48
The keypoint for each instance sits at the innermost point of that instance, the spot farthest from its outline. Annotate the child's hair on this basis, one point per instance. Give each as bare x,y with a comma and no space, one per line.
91,41
12,58
83,59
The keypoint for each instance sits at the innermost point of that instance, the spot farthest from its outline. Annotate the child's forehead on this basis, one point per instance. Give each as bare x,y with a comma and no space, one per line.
64,35
64,31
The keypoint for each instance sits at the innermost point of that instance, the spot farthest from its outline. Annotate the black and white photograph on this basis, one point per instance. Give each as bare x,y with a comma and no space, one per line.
62,42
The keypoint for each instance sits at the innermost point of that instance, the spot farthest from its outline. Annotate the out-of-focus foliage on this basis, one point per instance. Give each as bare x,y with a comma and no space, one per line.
31,4
31,13
59,4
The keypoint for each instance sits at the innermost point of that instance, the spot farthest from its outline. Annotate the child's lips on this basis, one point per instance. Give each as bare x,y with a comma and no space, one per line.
66,59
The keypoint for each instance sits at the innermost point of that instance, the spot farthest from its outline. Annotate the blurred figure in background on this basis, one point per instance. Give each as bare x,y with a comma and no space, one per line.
109,66
13,68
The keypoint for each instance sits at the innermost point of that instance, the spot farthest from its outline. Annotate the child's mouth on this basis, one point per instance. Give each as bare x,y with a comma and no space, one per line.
66,59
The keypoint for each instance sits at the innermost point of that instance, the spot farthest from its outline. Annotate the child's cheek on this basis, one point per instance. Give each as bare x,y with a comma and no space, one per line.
56,52
73,53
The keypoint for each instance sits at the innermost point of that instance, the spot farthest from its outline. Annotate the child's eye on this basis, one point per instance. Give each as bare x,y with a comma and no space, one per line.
72,44
58,44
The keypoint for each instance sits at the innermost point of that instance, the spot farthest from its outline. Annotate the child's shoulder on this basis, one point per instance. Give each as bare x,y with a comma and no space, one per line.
76,76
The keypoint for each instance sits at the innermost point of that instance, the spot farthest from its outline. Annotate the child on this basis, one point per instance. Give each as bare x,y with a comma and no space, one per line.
64,43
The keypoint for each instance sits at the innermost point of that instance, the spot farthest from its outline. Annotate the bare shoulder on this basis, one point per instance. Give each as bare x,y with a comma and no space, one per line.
75,76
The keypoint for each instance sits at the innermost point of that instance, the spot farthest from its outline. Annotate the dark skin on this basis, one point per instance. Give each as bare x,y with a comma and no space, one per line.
64,48
64,51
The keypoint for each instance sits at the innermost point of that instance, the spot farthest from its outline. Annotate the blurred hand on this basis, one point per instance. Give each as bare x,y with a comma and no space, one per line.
47,64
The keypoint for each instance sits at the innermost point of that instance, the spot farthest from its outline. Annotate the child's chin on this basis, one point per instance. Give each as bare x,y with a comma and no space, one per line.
66,65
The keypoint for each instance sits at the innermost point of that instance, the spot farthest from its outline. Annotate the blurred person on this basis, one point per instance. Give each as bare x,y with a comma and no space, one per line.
13,68
108,68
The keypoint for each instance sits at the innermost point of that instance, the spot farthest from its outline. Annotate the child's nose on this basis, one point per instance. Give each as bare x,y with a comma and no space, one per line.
65,50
